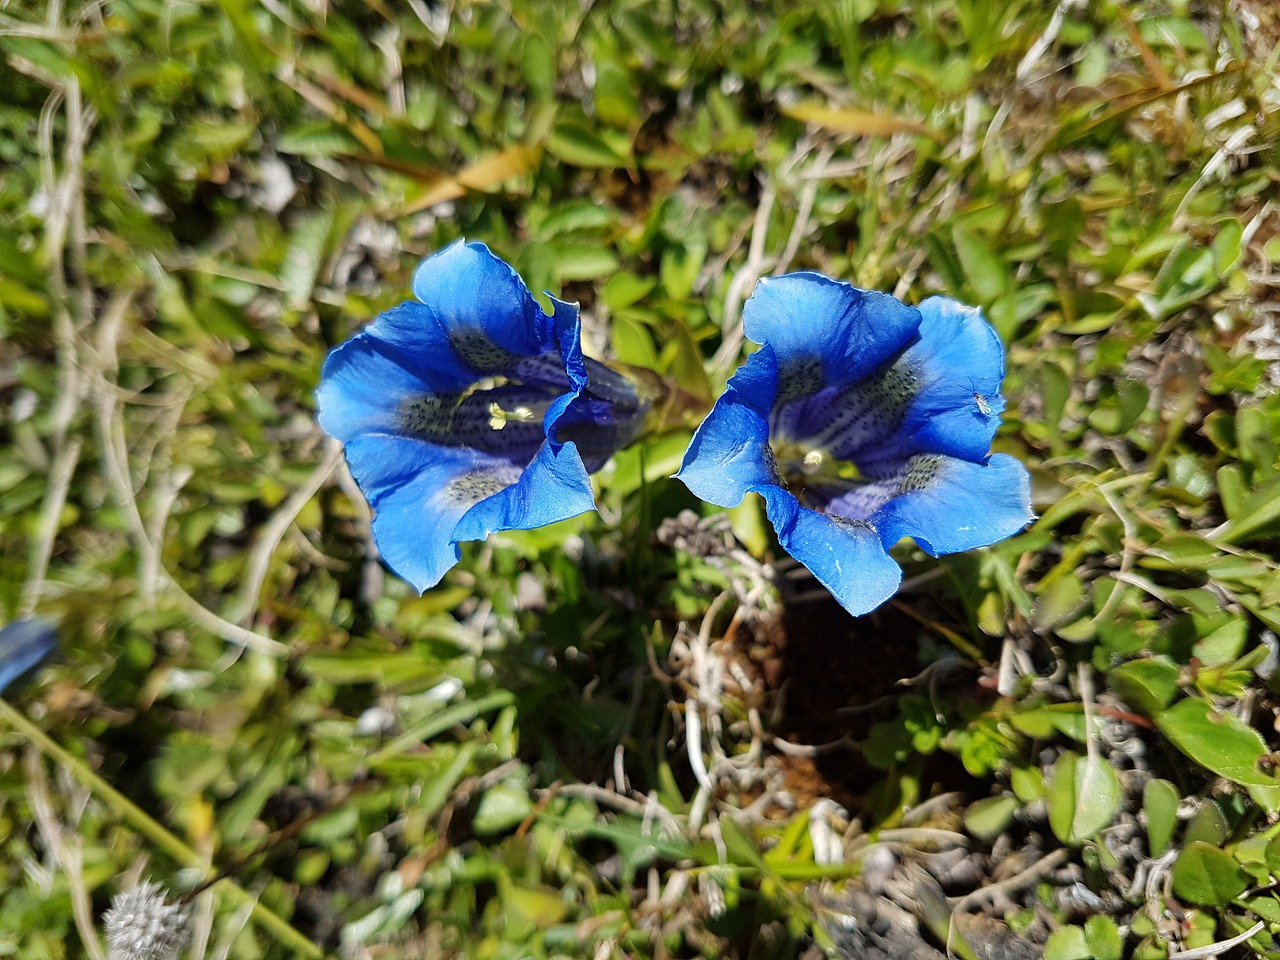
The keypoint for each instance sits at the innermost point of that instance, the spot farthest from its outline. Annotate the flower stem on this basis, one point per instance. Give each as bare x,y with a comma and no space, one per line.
140,821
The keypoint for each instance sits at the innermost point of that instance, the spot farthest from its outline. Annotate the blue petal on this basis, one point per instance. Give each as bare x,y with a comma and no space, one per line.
567,328
824,332
554,487
730,454
958,365
609,413
847,557
599,428
422,494
408,483
482,306
23,645
947,504
855,501
602,412
363,383
414,335
365,390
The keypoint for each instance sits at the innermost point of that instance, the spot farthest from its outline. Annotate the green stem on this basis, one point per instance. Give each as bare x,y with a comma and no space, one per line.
174,848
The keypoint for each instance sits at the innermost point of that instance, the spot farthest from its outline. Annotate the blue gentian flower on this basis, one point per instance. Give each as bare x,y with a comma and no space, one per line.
860,421
24,645
471,410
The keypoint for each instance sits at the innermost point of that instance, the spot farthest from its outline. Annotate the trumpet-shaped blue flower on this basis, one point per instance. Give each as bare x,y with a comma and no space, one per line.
860,421
471,410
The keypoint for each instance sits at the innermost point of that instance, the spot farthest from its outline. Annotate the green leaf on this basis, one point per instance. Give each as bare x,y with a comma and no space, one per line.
1273,855
528,909
1028,783
986,273
354,666
623,289
1043,722
1172,31
615,97
1103,938
576,216
739,846
1068,943
1266,906
987,818
1207,876
22,300
1218,741
633,343
1207,824
1254,513
680,268
1228,244
302,259
1222,645
501,808
1148,685
583,261
538,65
319,139
638,842
584,147
1160,800
1266,798
1084,795
682,358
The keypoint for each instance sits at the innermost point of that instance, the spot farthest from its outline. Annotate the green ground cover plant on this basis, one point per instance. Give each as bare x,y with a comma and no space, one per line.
645,731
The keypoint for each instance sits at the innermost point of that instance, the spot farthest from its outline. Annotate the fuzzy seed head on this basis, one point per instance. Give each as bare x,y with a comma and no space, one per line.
140,925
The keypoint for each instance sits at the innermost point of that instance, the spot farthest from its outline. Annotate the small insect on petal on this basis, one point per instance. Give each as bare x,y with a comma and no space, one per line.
984,407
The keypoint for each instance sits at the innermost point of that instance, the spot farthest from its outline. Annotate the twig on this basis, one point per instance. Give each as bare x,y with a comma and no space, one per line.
115,456
64,196
804,213
1217,949
273,532
743,279
620,802
372,575
1016,882
1127,554
202,924
1235,143
231,632
708,686
59,484
1043,42
68,854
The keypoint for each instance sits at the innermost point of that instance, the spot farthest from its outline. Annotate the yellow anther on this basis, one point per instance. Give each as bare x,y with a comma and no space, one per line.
498,417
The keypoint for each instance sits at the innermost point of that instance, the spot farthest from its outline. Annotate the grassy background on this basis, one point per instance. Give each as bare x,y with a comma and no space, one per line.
631,734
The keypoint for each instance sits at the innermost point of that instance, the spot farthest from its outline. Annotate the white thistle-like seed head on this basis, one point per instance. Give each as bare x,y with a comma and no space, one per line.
141,925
